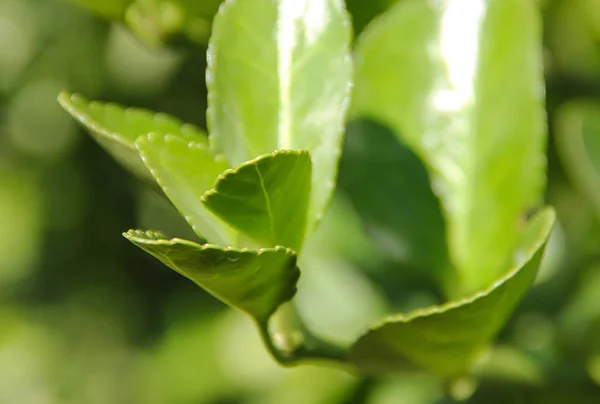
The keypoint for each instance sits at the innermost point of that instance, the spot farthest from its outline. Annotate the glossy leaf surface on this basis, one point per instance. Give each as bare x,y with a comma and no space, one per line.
256,282
279,74
445,339
185,170
578,141
266,198
387,183
462,85
116,128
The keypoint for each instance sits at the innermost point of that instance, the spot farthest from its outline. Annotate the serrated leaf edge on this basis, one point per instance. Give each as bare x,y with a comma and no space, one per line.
236,169
454,304
169,137
68,102
154,237
151,137
157,238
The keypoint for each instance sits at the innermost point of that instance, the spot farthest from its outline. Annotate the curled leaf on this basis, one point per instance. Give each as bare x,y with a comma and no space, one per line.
446,339
256,282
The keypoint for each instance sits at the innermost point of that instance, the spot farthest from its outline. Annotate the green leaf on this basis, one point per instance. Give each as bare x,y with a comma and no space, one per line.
185,170
462,85
256,282
279,75
266,198
388,185
578,145
116,128
446,339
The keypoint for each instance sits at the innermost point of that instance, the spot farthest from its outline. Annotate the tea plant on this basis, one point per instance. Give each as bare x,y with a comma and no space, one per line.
461,88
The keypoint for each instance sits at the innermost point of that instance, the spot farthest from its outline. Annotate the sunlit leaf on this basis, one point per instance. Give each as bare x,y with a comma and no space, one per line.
462,85
578,144
446,339
185,170
279,74
256,282
266,198
116,128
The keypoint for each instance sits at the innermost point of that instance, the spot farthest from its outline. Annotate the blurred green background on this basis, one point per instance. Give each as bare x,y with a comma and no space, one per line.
87,318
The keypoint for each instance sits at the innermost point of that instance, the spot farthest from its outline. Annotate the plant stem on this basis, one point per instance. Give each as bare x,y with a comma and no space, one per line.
290,342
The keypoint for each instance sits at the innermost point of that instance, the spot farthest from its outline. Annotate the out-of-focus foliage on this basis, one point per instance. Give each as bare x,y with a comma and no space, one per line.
86,318
159,21
577,129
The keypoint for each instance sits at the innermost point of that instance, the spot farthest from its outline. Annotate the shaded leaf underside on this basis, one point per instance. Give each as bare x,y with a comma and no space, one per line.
256,282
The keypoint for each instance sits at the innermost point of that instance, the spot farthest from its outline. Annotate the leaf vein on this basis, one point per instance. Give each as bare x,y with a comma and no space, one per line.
267,203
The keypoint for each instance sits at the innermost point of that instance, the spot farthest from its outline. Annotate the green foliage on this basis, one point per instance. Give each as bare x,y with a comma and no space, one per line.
116,128
469,102
134,332
293,95
266,199
185,169
471,131
256,282
446,339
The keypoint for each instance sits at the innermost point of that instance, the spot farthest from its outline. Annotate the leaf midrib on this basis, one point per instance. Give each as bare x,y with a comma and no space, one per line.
267,203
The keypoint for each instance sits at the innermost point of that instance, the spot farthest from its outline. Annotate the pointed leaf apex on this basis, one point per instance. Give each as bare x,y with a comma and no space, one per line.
266,198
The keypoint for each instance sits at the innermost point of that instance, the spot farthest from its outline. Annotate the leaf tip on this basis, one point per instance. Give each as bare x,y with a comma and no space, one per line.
69,101
63,97
144,235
